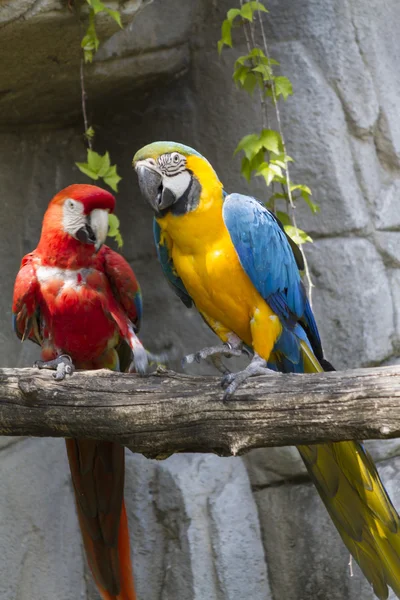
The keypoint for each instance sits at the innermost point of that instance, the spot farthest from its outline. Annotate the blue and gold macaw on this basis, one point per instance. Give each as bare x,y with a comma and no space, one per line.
230,257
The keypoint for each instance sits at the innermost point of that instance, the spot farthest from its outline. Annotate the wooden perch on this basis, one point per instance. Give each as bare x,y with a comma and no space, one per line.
168,412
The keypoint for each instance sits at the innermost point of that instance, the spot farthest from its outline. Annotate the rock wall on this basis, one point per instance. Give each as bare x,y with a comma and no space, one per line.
204,527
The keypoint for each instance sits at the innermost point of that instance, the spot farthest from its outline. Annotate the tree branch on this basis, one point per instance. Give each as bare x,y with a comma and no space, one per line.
168,412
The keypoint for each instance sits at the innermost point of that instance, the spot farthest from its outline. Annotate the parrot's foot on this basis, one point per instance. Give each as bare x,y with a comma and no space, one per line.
140,361
232,381
62,365
232,348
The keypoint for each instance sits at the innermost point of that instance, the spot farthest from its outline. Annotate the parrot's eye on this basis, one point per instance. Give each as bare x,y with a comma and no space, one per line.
71,204
175,157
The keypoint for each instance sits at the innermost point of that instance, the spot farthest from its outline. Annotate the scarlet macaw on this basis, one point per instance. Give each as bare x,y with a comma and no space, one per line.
230,257
80,301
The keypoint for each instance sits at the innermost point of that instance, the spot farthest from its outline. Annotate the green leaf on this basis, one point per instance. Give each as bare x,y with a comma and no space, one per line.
250,165
265,71
283,87
246,169
250,144
96,5
312,206
89,133
232,14
114,232
240,73
104,165
283,217
84,167
278,162
98,166
112,178
271,141
306,193
303,188
281,160
114,14
90,42
267,172
226,35
95,160
250,8
250,83
298,235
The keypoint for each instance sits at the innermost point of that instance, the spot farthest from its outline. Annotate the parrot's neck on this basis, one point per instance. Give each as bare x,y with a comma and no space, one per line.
59,249
194,231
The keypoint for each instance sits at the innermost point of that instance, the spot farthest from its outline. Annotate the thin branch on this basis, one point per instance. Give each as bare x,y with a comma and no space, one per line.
168,412
84,96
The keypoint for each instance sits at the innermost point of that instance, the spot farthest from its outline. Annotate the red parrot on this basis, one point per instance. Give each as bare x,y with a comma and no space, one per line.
80,301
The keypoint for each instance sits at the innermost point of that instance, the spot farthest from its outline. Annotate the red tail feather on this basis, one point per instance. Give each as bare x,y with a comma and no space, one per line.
97,470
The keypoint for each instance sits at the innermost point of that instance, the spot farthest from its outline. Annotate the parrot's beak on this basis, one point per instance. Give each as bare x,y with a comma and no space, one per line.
95,229
151,186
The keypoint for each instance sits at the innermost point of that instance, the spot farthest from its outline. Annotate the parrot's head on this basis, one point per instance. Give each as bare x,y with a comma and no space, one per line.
172,177
79,212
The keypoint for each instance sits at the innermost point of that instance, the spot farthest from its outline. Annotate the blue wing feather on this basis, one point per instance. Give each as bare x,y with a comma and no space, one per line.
268,258
167,266
265,254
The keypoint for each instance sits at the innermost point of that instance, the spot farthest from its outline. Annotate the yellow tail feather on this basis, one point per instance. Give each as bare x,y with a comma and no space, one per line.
350,487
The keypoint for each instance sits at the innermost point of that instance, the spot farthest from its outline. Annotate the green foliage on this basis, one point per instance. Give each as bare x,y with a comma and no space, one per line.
264,153
245,13
90,42
256,70
89,133
100,167
114,231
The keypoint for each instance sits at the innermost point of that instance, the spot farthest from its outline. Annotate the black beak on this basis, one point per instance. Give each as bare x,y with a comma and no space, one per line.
150,183
86,235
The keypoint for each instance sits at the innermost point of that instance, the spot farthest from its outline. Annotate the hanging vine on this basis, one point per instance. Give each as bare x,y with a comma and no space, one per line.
97,166
264,153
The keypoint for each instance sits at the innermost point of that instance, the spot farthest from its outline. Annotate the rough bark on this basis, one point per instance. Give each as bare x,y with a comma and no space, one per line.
169,412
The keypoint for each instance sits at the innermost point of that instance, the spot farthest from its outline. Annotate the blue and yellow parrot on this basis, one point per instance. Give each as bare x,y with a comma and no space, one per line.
230,257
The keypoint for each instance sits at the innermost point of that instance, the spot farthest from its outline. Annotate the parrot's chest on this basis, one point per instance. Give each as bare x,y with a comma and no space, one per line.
217,283
74,303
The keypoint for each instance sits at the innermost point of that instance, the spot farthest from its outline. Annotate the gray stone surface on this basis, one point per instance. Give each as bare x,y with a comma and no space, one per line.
41,553
394,278
388,243
40,50
196,521
352,287
315,563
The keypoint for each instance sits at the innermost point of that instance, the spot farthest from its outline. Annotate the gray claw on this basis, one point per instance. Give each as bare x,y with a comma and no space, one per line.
231,381
62,365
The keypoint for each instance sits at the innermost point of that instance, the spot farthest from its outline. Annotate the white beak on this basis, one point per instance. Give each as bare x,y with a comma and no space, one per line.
99,223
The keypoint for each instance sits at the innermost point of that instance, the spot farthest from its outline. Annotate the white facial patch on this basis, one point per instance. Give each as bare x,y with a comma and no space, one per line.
178,184
73,216
99,223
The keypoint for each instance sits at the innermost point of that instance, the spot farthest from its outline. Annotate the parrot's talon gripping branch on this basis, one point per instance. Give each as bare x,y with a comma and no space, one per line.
232,381
212,352
62,365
